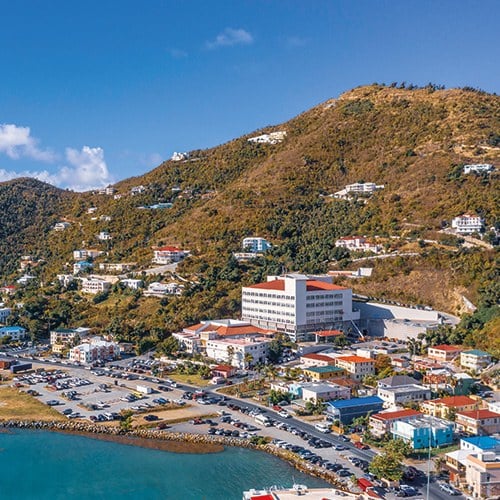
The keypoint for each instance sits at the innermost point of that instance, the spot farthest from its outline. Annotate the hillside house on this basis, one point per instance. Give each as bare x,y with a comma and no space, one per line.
255,245
357,367
324,392
104,236
81,266
475,360
83,254
478,168
157,289
320,373
358,244
443,352
168,255
133,284
399,396
95,285
61,226
467,224
241,352
271,138
314,359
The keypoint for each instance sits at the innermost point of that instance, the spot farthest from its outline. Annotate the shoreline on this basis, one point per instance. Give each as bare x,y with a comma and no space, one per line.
175,442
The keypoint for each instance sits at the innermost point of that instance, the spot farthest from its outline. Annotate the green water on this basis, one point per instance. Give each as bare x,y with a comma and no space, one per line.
38,465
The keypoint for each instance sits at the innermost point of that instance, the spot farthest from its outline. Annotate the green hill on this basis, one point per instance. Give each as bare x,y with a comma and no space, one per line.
412,141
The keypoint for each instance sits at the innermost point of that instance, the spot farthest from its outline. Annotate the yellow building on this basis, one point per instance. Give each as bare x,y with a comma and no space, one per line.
318,373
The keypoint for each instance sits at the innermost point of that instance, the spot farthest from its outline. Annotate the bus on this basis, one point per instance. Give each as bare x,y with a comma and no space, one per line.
263,420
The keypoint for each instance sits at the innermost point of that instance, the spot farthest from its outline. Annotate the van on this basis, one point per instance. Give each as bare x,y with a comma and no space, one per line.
323,427
263,420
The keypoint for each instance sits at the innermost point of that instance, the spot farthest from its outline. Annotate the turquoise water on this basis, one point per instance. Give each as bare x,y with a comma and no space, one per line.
38,465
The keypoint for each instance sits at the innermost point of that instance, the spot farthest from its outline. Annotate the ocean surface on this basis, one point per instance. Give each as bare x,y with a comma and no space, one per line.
38,465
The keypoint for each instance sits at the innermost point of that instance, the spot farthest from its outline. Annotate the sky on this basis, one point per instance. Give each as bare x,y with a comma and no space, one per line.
97,91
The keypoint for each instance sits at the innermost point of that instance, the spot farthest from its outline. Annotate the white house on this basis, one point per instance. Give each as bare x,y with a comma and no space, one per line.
157,289
104,236
358,188
133,284
61,226
65,279
315,392
357,243
235,351
478,168
82,265
169,254
475,360
298,305
179,156
137,190
118,267
271,138
467,224
255,245
95,285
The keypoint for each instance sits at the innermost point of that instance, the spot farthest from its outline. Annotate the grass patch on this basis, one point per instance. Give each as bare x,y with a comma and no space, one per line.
424,453
17,405
189,379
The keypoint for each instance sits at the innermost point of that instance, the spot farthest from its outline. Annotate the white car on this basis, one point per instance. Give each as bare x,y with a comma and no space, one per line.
448,489
284,414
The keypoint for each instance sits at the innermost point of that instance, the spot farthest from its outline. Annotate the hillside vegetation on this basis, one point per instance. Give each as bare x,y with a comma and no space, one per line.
412,141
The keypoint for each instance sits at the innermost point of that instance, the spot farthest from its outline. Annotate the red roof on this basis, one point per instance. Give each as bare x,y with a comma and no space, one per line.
356,359
455,401
445,347
479,414
266,496
394,415
224,368
239,330
168,249
321,285
312,285
329,333
270,285
319,357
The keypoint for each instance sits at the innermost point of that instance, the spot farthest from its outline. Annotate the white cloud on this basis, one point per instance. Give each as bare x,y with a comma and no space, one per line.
17,142
87,170
230,37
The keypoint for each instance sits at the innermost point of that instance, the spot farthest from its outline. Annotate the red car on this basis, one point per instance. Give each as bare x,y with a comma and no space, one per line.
361,446
277,408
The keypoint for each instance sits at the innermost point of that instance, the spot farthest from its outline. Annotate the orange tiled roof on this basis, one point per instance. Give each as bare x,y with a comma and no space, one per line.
239,330
321,285
355,359
445,347
479,414
329,333
455,401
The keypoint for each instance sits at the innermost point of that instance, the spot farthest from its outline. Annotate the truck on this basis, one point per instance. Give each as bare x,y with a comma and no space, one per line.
144,389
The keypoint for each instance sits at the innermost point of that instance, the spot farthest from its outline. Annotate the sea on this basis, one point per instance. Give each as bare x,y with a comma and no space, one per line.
39,465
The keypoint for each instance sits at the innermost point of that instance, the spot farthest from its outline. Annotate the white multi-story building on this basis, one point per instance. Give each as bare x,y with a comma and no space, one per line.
61,226
271,138
168,254
475,360
478,168
298,305
467,224
399,396
116,267
86,254
95,285
256,245
235,351
95,350
67,335
357,367
357,243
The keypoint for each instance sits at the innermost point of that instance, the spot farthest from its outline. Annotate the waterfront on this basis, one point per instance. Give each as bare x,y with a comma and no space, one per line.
43,465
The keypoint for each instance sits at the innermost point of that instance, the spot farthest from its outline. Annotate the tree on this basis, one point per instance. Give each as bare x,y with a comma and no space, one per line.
382,363
387,465
275,350
248,358
169,346
398,446
230,354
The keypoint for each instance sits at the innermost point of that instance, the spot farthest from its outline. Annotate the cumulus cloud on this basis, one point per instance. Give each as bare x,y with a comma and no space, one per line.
87,170
17,142
230,37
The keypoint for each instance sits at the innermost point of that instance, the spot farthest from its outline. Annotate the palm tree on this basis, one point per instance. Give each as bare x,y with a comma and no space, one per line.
248,358
230,354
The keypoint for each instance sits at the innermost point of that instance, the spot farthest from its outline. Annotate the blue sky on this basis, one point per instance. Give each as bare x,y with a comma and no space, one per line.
93,92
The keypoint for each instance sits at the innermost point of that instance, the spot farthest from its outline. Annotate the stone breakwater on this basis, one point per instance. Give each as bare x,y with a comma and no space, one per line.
197,443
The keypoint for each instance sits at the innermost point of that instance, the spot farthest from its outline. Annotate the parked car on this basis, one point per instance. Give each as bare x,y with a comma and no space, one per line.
361,446
447,488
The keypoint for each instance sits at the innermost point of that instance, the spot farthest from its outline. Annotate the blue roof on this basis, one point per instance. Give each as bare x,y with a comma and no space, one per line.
477,352
347,403
7,329
483,442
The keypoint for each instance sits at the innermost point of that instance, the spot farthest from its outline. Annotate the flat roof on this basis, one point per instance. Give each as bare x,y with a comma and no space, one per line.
323,369
349,403
483,442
